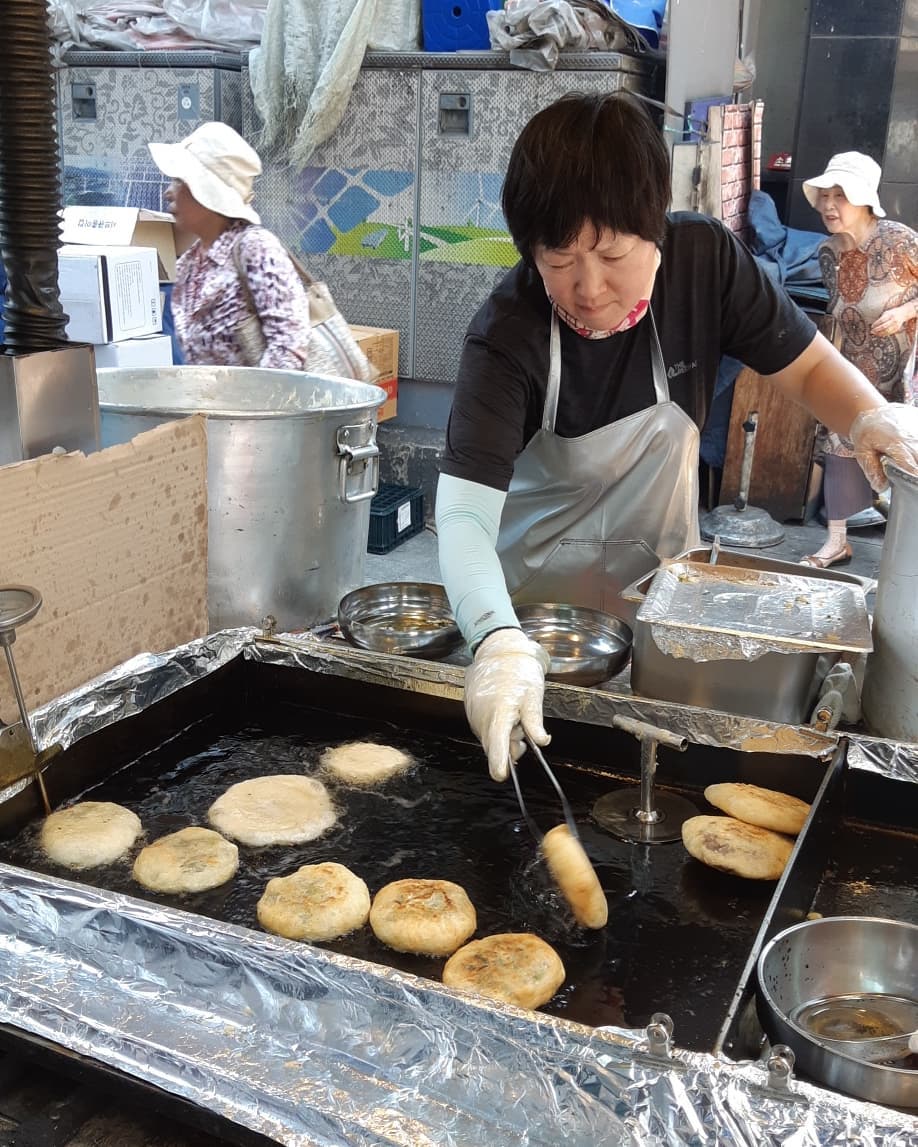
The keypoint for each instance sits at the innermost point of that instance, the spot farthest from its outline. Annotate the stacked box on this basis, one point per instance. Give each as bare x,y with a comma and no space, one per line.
380,345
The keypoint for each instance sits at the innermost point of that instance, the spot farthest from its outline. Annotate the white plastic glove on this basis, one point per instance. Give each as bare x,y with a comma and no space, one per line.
890,430
504,690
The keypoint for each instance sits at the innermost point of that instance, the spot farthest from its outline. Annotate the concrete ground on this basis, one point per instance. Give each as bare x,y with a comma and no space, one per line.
416,558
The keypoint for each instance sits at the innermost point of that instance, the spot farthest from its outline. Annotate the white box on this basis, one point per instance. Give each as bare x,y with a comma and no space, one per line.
110,293
149,350
126,227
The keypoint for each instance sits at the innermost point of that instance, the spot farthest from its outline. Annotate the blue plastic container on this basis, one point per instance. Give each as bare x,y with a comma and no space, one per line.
457,25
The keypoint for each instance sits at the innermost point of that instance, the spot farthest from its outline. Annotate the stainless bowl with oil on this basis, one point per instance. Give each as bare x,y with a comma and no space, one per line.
407,617
844,976
586,646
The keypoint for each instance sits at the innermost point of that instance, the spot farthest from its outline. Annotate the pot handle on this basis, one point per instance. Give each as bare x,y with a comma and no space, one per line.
349,455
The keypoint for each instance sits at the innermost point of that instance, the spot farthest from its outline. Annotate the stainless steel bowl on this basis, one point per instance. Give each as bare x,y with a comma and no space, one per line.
407,617
821,966
585,646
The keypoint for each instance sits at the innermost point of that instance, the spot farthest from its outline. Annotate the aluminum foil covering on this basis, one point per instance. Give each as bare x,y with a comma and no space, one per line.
133,686
896,759
716,613
311,1048
571,702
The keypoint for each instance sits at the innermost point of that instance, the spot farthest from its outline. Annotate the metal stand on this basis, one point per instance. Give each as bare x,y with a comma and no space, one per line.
659,817
742,525
19,604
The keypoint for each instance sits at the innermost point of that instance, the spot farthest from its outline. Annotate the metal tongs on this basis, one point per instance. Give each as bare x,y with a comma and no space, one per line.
565,807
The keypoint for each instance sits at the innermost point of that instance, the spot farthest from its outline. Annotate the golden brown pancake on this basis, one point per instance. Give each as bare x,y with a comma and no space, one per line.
765,807
570,866
515,967
191,860
317,902
736,847
90,833
429,917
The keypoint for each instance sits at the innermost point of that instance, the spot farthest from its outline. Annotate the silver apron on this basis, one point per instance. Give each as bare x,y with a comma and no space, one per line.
585,517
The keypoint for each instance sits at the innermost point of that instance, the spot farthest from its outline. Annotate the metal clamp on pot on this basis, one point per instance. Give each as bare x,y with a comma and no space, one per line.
358,455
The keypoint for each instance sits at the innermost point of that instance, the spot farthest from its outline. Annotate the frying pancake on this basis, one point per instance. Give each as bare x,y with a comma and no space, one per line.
570,866
280,809
515,967
317,902
429,917
364,763
190,860
90,833
733,846
765,807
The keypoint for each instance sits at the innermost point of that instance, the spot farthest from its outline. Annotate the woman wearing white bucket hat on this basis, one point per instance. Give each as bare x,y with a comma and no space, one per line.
870,269
236,266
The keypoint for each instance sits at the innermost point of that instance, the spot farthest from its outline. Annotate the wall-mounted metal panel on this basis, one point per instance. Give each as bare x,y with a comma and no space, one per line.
112,104
399,211
349,213
463,244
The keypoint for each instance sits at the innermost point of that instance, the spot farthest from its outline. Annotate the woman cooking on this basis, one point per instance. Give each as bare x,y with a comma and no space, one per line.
571,454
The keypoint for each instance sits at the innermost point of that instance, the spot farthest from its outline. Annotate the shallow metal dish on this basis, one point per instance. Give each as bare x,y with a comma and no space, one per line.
408,617
585,646
835,959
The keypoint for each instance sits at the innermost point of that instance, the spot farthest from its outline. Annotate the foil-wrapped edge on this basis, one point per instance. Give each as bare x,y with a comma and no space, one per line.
569,702
136,684
310,1047
133,686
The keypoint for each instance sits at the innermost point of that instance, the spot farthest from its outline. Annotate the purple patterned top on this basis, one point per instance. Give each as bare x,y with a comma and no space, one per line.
209,301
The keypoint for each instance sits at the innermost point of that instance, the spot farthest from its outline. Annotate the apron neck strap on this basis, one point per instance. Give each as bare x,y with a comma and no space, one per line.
553,389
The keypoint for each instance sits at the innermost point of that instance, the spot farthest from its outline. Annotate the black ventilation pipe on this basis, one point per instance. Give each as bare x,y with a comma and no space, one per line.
30,181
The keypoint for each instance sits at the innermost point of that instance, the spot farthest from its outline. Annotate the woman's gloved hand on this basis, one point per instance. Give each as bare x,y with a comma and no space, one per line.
504,690
890,431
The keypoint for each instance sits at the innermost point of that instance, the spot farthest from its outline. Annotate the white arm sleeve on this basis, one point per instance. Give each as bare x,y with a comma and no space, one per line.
468,519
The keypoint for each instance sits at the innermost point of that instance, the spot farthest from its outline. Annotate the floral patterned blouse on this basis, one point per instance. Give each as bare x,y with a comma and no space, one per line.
209,302
863,282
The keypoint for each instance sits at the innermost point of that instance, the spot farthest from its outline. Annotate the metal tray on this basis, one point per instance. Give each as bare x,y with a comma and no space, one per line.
445,819
759,607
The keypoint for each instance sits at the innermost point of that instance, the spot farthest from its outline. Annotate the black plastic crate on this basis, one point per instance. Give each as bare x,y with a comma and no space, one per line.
396,514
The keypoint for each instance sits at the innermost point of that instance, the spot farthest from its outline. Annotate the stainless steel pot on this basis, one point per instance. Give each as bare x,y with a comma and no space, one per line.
292,464
841,956
890,695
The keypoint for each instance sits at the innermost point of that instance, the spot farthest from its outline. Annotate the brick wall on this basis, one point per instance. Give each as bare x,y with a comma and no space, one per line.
737,129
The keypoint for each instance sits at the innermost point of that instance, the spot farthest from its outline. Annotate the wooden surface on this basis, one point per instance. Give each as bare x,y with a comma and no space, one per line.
783,449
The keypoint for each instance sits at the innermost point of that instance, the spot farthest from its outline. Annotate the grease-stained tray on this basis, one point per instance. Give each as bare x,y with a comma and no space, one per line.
678,936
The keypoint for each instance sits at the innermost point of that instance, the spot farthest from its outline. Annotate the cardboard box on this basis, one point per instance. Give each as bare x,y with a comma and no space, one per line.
116,543
390,407
150,350
125,227
110,293
380,345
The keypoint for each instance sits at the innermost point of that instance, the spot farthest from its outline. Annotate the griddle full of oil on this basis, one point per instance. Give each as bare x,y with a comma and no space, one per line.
678,934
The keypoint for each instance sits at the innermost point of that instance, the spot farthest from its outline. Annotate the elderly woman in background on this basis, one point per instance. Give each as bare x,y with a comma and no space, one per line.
237,270
870,269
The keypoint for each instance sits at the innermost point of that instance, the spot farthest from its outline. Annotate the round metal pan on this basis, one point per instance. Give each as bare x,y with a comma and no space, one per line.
586,646
407,617
837,958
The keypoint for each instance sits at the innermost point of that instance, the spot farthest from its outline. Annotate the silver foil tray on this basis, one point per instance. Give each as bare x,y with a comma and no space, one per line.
780,612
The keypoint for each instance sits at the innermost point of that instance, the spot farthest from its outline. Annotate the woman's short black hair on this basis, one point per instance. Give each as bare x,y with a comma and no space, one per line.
596,159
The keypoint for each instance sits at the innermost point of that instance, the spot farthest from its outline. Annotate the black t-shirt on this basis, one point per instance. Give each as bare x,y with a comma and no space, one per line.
710,298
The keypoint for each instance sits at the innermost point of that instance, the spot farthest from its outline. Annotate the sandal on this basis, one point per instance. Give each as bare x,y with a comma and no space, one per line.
841,558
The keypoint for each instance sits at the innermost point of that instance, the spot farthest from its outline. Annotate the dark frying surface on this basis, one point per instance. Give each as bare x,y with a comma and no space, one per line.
678,934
